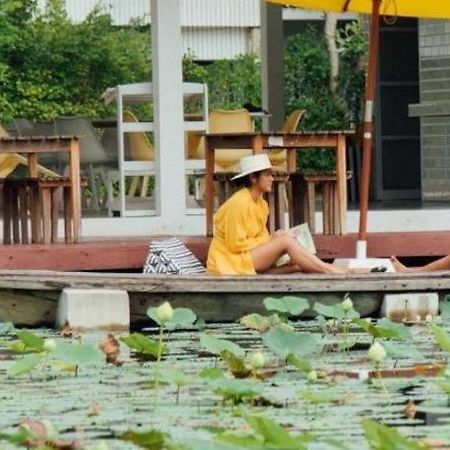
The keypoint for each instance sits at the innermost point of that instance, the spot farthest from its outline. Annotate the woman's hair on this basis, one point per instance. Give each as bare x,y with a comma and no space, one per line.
246,181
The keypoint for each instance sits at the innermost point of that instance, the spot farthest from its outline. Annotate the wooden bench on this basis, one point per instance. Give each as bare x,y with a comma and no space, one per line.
33,204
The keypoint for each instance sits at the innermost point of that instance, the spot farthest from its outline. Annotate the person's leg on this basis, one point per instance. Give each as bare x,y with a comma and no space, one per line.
439,264
265,255
283,270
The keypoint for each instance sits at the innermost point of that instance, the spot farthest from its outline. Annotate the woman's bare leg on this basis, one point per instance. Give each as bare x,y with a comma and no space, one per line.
283,270
439,264
265,255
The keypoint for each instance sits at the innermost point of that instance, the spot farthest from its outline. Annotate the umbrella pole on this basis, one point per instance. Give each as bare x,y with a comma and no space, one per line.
361,246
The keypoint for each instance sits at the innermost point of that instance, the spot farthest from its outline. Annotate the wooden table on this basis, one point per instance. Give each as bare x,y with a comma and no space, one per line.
261,142
35,145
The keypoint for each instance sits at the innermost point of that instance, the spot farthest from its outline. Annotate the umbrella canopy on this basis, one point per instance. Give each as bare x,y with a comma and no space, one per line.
413,8
432,9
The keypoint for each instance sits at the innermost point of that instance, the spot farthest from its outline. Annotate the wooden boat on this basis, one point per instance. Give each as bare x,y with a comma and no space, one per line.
29,294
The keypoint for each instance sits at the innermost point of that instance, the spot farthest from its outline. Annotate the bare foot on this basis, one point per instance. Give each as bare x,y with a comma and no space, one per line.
398,266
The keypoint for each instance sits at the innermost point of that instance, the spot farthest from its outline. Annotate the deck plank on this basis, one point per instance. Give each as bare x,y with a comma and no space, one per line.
49,280
129,253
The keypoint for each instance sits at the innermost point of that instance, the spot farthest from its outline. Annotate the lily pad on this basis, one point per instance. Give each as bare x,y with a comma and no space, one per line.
441,336
258,322
150,440
31,342
78,353
282,343
145,348
217,346
289,305
236,390
24,365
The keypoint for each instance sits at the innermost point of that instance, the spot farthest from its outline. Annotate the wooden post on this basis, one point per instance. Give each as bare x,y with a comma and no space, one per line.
55,207
368,129
36,215
15,214
7,212
46,200
209,186
23,212
75,188
68,221
32,165
341,174
257,144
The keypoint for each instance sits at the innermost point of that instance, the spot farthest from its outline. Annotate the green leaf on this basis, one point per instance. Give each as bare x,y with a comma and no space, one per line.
397,330
151,440
175,377
400,350
445,386
30,341
217,346
78,353
236,365
382,437
385,329
258,322
335,311
239,441
329,396
24,365
282,343
211,373
235,390
441,337
144,347
182,318
293,306
299,363
444,307
274,435
18,438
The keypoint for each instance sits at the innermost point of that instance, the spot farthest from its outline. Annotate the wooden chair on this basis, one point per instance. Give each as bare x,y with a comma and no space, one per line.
222,121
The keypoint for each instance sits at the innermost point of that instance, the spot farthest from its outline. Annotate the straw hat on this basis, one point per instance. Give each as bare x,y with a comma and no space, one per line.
252,164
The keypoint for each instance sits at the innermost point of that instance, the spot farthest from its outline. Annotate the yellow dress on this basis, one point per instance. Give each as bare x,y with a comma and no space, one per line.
240,225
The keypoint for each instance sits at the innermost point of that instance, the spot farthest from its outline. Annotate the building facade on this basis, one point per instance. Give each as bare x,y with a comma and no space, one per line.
434,108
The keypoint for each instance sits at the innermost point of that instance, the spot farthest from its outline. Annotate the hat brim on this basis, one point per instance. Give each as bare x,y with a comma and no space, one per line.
253,170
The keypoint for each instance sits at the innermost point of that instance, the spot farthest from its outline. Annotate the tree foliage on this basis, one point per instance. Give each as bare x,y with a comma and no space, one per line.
50,66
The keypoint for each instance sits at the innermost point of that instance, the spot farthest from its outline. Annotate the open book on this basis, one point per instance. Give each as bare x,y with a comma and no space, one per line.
304,237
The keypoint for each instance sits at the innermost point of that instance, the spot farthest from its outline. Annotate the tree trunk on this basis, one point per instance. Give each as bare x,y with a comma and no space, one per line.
330,35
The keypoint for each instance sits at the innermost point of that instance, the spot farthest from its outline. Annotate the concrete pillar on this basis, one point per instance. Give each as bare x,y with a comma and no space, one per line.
272,64
168,110
94,309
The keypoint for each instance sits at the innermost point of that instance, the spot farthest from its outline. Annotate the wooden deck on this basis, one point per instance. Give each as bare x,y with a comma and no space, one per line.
30,297
129,253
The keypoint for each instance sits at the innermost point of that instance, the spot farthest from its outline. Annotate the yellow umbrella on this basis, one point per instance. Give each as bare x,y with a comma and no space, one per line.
436,9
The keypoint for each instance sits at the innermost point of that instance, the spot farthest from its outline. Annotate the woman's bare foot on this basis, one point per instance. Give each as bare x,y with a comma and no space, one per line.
398,266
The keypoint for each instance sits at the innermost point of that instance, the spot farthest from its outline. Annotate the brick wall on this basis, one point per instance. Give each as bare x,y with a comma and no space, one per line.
434,50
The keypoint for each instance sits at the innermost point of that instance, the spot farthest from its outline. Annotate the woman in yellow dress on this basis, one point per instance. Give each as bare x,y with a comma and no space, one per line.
242,245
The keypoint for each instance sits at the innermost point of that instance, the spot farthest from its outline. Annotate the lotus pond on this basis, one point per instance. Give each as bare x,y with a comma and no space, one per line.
266,382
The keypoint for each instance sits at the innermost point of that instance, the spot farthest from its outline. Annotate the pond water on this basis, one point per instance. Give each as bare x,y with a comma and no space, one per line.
105,400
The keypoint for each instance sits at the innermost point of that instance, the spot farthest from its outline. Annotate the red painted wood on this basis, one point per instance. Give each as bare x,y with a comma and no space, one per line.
129,253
